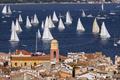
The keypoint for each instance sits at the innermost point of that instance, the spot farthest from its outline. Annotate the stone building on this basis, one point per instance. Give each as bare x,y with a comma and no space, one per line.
22,58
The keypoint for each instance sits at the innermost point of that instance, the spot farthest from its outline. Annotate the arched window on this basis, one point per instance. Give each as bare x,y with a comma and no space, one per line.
15,64
25,64
35,64
54,54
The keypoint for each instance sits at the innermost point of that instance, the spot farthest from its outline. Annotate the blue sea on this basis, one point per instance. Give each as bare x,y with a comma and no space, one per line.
69,39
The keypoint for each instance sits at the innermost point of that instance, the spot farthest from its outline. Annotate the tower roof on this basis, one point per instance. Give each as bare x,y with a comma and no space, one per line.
54,44
54,41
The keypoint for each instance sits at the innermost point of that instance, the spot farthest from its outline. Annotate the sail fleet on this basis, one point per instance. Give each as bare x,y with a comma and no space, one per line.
6,10
51,22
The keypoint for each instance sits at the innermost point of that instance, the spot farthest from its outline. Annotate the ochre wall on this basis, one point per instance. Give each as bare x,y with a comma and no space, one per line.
28,63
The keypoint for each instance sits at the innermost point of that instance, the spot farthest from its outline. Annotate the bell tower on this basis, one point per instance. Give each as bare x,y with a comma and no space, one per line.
54,52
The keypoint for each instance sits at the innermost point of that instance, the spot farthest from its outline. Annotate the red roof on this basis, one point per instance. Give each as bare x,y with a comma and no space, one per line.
24,52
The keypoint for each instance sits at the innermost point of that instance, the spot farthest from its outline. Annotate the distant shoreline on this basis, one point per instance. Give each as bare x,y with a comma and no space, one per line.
54,3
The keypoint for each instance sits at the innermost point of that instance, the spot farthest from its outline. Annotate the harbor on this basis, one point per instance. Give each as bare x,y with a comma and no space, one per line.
68,41
78,27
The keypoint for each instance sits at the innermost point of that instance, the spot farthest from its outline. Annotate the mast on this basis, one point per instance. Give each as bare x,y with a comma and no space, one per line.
36,43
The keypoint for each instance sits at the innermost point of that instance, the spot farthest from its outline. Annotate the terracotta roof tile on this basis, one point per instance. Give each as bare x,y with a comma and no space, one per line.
24,52
46,57
92,56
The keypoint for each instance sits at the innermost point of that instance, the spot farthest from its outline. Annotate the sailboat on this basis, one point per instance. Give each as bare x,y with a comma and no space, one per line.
12,26
28,24
46,22
14,36
42,25
20,18
35,20
104,34
83,13
118,42
50,22
17,26
38,34
102,7
47,34
80,26
115,44
6,10
61,25
95,28
68,18
9,10
54,18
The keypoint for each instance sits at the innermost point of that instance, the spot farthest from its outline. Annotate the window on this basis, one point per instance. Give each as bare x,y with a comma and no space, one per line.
35,64
15,64
54,54
25,64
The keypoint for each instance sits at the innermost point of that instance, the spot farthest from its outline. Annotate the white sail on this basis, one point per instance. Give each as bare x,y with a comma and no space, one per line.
20,18
42,25
9,10
50,22
28,24
14,36
47,34
38,34
32,21
118,42
35,20
104,32
17,26
95,28
83,13
12,26
80,26
102,6
4,11
68,18
61,25
46,22
54,18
